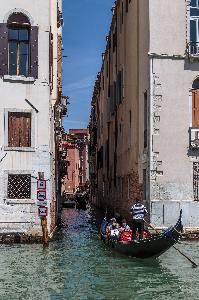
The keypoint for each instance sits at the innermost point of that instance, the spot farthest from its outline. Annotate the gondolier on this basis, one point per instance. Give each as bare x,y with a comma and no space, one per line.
138,211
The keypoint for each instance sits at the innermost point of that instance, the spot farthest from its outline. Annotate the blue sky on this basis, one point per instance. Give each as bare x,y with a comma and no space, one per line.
86,24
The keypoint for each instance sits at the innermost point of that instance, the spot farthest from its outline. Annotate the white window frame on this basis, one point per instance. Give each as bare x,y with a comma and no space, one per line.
197,4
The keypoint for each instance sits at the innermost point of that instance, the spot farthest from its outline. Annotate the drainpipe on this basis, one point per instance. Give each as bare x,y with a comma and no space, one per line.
151,127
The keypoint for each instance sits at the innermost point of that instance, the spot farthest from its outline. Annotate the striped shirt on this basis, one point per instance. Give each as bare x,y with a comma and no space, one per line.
138,211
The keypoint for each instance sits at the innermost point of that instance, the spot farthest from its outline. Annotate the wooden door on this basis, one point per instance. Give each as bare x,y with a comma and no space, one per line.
195,108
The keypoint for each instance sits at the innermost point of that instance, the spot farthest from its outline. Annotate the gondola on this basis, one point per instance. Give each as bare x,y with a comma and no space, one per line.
153,246
81,200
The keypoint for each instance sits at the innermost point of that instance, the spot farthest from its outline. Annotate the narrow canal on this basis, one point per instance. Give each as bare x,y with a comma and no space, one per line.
78,266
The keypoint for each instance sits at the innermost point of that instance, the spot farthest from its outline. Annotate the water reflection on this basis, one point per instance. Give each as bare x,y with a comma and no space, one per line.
79,266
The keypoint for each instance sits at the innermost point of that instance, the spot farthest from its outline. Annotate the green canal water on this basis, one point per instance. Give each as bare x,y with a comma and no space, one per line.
78,266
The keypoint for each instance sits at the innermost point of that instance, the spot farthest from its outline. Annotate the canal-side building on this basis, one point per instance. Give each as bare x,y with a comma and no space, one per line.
145,110
31,111
72,179
76,147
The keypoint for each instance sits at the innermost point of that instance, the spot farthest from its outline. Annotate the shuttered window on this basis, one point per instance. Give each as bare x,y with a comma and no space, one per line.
19,51
19,129
3,49
18,47
195,108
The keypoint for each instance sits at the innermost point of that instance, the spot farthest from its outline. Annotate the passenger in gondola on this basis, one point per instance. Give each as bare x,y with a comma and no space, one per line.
138,211
112,228
124,226
125,232
114,234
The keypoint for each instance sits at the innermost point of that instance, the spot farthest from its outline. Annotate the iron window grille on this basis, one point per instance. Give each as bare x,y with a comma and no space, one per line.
19,186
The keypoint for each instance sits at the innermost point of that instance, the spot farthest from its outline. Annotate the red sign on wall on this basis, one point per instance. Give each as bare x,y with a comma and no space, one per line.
43,211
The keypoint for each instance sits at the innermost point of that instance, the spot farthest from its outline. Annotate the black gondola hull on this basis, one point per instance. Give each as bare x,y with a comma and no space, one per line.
153,246
145,248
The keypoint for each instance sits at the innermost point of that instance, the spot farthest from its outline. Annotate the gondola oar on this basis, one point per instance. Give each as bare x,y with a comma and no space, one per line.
188,258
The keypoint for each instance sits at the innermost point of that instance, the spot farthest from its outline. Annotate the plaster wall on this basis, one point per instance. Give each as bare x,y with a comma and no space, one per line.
172,170
13,97
168,26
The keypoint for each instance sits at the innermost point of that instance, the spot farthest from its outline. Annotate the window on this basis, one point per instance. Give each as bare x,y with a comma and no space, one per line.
115,39
194,27
100,157
122,12
127,5
195,104
128,187
18,47
107,69
194,3
120,86
121,186
195,108
144,184
80,180
18,44
145,120
130,130
19,186
19,129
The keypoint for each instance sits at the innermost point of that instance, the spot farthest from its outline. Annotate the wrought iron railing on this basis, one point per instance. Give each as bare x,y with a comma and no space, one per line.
193,48
194,138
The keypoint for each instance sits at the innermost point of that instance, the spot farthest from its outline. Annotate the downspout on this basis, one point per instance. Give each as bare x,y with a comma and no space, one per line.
151,128
138,86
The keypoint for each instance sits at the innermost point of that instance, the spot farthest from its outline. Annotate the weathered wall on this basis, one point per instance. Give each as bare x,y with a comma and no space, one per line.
13,95
172,75
172,169
118,180
168,26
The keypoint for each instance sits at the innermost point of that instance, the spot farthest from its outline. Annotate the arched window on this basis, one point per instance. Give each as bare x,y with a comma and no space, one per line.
18,44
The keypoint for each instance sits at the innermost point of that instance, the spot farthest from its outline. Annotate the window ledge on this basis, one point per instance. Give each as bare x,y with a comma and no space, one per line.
18,78
19,149
20,201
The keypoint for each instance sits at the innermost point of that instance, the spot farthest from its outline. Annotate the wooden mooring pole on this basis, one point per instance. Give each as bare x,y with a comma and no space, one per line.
41,186
44,231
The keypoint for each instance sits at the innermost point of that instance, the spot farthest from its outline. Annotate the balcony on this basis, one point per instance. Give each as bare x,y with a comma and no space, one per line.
193,138
193,49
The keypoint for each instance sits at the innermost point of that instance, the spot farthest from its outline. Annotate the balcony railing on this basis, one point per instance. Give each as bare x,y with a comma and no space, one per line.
194,138
193,48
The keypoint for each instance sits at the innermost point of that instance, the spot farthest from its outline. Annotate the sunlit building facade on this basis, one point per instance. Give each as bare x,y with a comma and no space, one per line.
30,110
145,108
